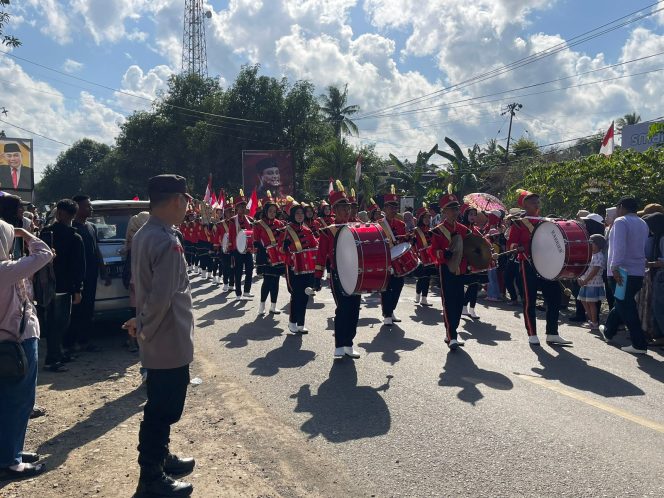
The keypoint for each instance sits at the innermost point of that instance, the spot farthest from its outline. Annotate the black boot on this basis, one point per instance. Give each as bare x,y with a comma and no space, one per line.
175,466
153,483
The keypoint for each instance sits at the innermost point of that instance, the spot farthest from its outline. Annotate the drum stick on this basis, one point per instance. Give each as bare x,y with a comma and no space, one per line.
566,290
497,255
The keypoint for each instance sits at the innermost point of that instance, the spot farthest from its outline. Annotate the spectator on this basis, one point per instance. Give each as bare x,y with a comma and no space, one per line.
627,242
591,291
77,336
11,211
652,304
409,220
594,224
651,209
608,223
19,323
69,268
135,223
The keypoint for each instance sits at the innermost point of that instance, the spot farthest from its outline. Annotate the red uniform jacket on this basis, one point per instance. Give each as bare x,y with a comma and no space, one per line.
395,230
442,237
244,222
520,234
296,238
314,226
422,236
325,221
265,231
325,249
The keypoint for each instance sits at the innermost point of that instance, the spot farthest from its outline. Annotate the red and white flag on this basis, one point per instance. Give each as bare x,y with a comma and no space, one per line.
222,199
213,201
608,143
330,189
208,190
358,170
252,205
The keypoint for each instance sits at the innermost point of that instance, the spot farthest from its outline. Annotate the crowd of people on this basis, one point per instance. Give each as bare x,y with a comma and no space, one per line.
50,269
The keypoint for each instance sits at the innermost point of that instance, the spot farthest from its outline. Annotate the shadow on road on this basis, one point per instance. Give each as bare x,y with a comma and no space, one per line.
232,309
575,372
427,315
461,371
341,410
289,355
261,329
391,341
484,333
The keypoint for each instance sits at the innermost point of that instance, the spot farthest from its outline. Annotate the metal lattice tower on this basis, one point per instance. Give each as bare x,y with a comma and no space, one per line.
194,51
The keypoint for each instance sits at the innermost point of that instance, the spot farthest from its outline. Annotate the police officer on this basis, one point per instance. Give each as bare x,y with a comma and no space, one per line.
164,325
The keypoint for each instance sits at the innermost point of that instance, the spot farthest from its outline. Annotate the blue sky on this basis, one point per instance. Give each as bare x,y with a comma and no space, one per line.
388,51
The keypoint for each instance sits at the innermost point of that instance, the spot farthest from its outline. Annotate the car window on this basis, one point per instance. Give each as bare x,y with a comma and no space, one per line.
112,224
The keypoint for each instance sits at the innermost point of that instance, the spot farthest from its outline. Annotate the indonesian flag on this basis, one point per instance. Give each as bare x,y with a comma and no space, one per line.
330,189
252,205
208,191
213,201
608,143
222,199
358,169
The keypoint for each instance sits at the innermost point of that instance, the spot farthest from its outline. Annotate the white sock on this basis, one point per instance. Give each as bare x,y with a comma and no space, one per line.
273,307
18,468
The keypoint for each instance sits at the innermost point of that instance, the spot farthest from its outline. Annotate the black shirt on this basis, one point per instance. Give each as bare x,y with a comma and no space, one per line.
69,261
88,233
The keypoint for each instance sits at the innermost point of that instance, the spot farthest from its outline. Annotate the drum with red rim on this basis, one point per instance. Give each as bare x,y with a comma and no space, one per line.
426,256
362,258
245,241
273,255
404,259
304,261
560,249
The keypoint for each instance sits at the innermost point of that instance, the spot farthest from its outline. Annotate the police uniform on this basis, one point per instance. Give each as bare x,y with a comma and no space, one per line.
165,332
266,233
451,284
395,229
242,263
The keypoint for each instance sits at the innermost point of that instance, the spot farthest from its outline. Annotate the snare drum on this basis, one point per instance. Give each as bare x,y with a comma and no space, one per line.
245,241
426,256
560,249
224,243
404,259
304,261
362,258
273,255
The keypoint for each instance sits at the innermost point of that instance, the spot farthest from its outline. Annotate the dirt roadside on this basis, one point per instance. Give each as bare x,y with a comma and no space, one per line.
88,437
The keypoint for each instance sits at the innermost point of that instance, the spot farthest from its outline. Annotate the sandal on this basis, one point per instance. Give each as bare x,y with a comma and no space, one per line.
28,457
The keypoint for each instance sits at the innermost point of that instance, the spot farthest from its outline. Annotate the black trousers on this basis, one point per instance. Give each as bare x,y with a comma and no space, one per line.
56,318
513,282
80,328
390,297
451,292
299,300
270,287
552,297
189,251
203,250
215,264
346,314
166,390
625,311
243,264
470,298
227,270
422,286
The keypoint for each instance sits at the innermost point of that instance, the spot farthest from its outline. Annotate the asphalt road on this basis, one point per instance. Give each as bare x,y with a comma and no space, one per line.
410,418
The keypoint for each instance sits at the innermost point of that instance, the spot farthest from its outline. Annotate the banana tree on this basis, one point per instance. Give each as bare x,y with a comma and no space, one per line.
463,169
408,176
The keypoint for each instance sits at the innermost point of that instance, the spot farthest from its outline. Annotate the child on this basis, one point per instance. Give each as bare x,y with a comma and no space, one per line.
592,283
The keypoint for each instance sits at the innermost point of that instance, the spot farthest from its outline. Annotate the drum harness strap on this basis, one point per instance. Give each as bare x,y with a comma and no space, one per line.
388,230
296,239
423,238
268,231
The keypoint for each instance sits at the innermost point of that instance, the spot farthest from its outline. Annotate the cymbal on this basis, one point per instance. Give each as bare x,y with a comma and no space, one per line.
476,251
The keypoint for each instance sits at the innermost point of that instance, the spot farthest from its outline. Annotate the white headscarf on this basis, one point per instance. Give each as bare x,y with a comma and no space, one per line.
135,222
6,240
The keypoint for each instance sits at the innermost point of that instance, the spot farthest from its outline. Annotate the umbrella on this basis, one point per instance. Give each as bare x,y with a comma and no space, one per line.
484,202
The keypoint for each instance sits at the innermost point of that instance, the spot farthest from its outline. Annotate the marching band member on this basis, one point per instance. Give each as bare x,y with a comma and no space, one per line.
215,254
325,216
447,247
354,208
187,230
310,219
472,281
519,239
204,248
375,214
395,229
296,238
199,237
266,236
223,228
243,263
422,240
347,312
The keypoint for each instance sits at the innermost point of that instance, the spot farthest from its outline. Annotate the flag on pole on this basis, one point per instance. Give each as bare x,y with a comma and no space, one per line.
208,190
330,189
608,143
358,169
222,199
252,205
213,200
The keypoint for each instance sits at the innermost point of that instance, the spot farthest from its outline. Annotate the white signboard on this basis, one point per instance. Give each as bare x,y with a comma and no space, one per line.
635,137
407,202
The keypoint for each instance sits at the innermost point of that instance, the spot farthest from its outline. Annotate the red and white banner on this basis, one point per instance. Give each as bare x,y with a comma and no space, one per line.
252,205
608,143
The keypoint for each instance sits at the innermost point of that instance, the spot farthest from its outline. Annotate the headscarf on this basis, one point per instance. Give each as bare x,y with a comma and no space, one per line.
6,240
409,220
135,222
655,222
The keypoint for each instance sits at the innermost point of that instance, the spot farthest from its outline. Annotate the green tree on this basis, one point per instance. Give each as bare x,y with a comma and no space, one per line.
628,119
408,176
5,39
464,170
337,112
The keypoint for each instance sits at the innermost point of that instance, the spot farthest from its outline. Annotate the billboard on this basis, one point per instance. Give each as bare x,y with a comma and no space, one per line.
635,137
265,170
16,167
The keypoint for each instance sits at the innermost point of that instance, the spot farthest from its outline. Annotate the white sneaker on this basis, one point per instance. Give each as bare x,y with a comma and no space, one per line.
224,288
424,301
238,298
352,352
533,339
387,321
339,353
292,327
417,298
273,309
472,314
261,308
633,350
453,344
556,339
249,295
301,329
605,338
309,291
395,318
465,311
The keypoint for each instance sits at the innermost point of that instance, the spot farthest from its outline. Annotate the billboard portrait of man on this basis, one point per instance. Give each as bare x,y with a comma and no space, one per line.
268,170
16,173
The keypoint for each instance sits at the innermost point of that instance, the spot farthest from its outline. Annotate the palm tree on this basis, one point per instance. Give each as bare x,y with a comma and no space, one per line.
628,119
336,111
408,175
464,178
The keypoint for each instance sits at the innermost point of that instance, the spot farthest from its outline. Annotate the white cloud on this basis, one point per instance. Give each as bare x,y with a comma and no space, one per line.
56,23
144,85
72,66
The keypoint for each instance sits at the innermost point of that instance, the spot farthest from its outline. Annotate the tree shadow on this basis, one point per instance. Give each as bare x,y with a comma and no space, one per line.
259,330
341,410
484,333
461,371
289,355
577,373
391,341
427,315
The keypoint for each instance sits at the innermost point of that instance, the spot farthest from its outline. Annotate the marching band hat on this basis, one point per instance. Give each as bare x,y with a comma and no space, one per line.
524,195
392,197
422,211
166,184
338,196
268,200
352,199
290,204
449,200
240,199
372,205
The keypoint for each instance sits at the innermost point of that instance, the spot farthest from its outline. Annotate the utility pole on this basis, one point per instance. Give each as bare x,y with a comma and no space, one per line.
194,50
511,108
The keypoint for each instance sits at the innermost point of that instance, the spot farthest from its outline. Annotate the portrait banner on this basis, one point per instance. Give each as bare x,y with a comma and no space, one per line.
16,167
265,170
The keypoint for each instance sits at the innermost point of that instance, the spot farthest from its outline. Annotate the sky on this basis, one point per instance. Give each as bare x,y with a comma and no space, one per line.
85,65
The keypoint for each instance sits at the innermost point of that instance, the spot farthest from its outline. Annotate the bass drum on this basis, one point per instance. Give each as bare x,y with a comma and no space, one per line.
245,241
224,243
560,249
362,258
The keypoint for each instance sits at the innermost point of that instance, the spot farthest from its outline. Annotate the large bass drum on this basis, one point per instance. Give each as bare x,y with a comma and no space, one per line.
245,241
362,258
560,249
